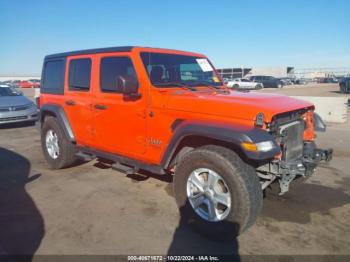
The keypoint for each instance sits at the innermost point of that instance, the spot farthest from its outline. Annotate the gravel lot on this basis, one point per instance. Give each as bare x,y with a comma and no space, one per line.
91,209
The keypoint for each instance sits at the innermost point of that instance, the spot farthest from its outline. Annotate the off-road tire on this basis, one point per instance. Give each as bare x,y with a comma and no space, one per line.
66,156
243,184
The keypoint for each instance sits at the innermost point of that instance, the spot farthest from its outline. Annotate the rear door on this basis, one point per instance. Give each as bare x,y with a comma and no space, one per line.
77,104
119,121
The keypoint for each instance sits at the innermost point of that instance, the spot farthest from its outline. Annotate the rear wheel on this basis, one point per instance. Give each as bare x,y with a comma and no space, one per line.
217,192
59,152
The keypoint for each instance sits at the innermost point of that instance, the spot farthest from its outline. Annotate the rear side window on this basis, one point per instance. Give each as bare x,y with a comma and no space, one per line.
79,74
53,77
111,68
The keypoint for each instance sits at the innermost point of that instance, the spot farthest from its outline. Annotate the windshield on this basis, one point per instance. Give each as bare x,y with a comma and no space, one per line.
171,70
8,91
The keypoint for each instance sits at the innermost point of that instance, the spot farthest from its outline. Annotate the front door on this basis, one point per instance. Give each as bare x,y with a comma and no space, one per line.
119,121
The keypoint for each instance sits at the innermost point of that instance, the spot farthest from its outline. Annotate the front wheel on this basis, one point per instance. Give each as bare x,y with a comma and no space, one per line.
258,87
217,192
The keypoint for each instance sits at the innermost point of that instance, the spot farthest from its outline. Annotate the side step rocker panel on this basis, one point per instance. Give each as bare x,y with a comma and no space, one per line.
122,164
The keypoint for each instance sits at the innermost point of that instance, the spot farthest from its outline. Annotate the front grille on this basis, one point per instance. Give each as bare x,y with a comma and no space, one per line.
5,119
292,140
20,108
14,108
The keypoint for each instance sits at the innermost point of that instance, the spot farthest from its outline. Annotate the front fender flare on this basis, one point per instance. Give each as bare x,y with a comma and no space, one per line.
232,134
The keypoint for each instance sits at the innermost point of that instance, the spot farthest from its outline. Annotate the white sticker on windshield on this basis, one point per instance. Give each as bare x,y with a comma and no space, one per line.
204,64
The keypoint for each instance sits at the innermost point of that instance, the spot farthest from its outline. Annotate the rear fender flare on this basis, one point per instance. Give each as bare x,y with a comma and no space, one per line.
59,113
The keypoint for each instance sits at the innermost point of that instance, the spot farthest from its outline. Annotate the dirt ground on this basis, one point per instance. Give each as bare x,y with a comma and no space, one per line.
91,209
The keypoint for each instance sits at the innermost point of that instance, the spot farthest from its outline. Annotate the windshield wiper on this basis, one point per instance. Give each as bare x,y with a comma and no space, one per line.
192,88
206,83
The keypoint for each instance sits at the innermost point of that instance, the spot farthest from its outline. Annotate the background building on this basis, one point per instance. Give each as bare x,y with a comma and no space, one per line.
284,71
322,72
246,72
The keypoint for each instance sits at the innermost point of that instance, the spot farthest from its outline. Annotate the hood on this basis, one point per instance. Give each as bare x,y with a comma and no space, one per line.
7,101
234,104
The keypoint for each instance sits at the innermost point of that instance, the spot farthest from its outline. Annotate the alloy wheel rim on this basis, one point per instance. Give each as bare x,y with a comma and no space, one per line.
208,195
52,144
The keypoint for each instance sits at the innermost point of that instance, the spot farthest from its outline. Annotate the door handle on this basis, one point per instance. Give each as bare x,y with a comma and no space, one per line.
70,103
100,107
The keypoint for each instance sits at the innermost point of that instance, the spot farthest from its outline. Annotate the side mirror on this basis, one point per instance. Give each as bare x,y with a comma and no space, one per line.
128,85
319,125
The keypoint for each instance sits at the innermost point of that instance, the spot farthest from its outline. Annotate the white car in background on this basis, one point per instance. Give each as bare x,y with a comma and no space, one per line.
242,83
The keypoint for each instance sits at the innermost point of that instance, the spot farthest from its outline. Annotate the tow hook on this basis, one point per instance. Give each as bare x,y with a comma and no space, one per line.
324,154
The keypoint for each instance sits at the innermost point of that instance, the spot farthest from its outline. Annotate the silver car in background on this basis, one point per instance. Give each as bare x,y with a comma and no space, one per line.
14,107
242,83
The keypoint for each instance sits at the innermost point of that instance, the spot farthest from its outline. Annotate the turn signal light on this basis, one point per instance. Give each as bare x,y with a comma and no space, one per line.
261,146
249,146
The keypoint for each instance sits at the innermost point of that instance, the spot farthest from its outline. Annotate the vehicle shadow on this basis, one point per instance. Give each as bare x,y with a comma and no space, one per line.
187,241
21,223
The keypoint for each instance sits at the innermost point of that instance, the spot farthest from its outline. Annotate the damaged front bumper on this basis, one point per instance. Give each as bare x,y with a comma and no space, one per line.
286,172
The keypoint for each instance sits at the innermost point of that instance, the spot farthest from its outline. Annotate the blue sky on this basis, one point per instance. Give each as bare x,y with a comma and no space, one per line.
298,33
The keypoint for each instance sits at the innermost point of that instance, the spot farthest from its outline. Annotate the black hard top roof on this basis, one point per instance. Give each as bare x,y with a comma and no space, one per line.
91,51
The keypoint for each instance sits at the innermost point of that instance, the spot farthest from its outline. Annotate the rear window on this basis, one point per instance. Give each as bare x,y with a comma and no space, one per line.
53,77
79,74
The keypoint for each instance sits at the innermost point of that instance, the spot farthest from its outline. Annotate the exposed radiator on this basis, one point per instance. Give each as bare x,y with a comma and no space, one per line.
292,140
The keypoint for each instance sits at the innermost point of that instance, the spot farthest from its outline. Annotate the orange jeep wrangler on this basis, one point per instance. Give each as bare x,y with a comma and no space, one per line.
168,112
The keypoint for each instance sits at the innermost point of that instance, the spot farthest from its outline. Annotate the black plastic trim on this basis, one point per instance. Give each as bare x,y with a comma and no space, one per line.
226,133
92,51
319,125
175,124
125,160
61,116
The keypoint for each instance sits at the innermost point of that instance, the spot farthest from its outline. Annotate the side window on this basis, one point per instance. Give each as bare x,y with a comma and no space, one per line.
79,74
53,77
111,68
